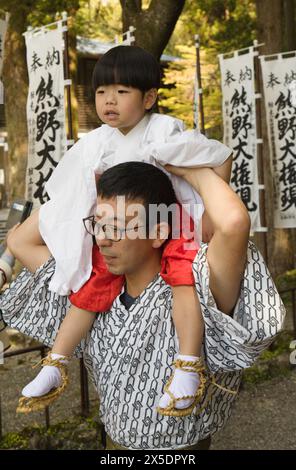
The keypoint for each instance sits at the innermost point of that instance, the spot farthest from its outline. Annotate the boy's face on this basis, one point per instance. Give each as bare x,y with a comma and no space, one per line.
123,107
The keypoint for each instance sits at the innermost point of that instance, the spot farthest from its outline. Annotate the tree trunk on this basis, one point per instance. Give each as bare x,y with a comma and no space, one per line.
289,25
280,242
154,25
15,79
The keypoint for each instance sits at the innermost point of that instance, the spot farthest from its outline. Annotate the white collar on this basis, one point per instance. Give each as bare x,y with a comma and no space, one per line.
136,131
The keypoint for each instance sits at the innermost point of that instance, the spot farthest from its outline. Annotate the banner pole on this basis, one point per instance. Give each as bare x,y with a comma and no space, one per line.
70,134
199,86
260,164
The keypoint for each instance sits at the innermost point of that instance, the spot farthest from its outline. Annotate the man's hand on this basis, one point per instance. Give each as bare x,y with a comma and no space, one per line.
178,170
8,238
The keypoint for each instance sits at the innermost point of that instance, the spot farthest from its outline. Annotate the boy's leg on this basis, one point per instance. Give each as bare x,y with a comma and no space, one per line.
74,328
26,244
190,329
188,320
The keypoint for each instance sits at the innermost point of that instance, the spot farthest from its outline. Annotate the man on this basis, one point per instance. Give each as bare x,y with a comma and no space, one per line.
130,349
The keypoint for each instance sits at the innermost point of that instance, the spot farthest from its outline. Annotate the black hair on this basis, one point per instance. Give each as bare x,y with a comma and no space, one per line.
138,180
127,65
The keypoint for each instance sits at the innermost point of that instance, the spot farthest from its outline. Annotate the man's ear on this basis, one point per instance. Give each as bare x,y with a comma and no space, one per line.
150,98
160,234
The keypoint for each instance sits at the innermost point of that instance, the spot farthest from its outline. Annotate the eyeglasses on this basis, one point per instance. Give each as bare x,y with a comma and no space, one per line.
111,232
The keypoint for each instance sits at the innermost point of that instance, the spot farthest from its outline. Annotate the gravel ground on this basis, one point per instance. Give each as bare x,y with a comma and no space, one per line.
264,415
263,418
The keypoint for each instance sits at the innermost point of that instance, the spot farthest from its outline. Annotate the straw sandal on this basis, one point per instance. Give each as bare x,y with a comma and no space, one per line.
186,366
28,404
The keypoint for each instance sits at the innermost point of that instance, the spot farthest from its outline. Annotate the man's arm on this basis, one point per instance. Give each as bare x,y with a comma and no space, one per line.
224,171
227,249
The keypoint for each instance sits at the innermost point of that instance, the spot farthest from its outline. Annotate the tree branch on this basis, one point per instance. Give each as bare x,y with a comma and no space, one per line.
155,25
157,8
134,6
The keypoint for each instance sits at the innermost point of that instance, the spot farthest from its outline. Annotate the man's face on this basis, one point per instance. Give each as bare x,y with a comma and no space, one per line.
130,254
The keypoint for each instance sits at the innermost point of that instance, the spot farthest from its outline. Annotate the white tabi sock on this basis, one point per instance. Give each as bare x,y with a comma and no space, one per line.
48,378
183,384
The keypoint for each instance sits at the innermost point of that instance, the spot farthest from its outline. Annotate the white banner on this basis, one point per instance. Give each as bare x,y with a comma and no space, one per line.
45,109
3,29
279,81
239,120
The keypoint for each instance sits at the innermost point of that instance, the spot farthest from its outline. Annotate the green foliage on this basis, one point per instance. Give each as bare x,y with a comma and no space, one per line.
95,19
45,11
76,433
284,281
222,27
36,12
14,440
280,346
273,362
179,77
260,373
179,96
90,18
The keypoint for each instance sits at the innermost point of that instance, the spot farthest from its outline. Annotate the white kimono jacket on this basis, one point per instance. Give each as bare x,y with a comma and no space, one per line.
157,139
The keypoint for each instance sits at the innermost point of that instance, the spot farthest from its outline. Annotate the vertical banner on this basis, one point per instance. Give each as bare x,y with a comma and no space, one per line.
279,81
3,29
239,120
45,109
